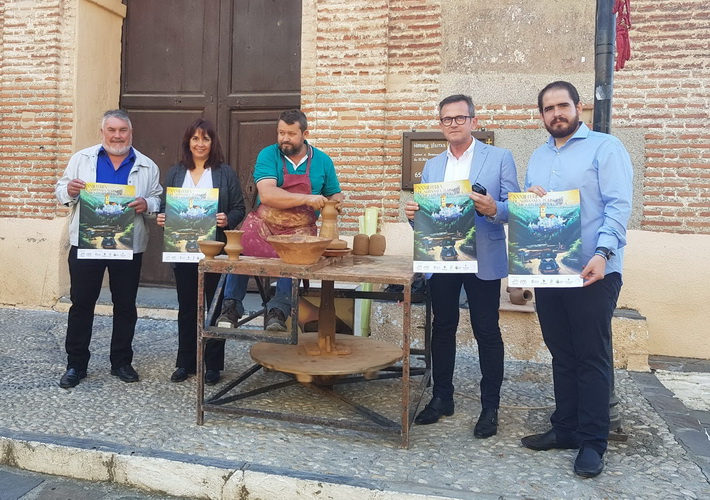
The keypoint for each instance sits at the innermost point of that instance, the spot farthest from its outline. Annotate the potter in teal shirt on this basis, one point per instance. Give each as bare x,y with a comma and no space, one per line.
269,165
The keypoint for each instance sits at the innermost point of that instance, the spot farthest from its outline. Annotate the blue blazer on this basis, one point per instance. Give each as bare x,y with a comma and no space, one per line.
494,169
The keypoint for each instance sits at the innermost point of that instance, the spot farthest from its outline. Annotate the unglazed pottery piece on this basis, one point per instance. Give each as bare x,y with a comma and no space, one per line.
378,243
210,248
329,226
234,246
361,244
298,248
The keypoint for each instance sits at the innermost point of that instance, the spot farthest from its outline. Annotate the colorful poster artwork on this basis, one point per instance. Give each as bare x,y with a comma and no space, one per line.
544,240
444,228
190,216
106,221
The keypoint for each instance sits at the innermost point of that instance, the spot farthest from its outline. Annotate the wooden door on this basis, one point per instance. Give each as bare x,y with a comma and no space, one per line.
235,62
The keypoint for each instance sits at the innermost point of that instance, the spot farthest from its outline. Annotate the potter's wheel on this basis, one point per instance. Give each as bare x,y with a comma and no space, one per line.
337,252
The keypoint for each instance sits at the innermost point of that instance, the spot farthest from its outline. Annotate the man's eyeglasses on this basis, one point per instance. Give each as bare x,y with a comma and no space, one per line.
448,120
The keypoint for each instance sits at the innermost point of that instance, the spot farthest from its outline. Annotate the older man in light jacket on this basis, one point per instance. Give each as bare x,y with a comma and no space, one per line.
114,161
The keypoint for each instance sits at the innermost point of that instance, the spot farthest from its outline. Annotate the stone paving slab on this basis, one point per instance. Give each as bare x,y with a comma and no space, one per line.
144,434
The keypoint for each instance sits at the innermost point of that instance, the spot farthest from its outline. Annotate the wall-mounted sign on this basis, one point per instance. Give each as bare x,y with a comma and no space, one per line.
418,147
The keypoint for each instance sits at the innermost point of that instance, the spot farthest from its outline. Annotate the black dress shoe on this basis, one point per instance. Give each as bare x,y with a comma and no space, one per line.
71,378
547,441
589,462
125,373
436,409
180,375
487,424
211,377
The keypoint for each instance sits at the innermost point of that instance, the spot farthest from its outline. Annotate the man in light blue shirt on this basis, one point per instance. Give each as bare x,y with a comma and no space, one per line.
576,322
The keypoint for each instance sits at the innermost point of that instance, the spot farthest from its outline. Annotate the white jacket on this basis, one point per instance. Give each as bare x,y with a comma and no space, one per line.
144,175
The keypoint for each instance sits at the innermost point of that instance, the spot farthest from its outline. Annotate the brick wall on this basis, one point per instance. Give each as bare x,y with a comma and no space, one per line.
376,75
665,89
372,71
35,105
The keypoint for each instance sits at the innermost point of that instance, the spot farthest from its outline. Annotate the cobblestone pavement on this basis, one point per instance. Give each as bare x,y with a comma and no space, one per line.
664,457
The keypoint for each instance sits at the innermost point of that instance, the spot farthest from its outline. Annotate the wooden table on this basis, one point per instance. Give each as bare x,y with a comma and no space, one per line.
328,352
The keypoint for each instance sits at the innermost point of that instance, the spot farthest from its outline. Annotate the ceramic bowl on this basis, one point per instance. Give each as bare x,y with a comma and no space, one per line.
210,248
298,248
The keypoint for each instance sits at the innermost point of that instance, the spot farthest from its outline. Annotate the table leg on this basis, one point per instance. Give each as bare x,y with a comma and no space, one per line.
326,318
406,325
200,347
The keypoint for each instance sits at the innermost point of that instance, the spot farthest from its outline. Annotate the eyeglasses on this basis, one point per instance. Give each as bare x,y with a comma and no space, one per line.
448,120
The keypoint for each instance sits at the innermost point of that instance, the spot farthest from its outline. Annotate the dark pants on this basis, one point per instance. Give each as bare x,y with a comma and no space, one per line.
86,277
576,326
186,284
483,303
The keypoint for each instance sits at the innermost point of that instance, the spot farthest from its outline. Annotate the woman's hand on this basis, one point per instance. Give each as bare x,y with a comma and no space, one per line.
160,219
222,220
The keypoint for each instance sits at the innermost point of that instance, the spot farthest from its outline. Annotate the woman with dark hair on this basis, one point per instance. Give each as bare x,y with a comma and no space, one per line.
201,166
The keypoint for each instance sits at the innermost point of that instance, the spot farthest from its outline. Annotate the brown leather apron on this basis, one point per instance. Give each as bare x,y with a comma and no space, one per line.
267,221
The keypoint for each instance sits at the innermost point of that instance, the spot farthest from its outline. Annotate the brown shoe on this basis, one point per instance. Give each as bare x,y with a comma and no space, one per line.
275,320
230,316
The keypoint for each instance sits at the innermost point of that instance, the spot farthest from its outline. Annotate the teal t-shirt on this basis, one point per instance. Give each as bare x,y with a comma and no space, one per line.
269,165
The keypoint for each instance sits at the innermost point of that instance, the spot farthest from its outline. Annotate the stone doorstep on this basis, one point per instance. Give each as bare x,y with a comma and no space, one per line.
521,333
187,475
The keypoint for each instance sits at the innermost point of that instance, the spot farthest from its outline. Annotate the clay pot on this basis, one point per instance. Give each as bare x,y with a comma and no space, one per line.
361,244
234,246
519,296
329,226
378,243
298,248
210,248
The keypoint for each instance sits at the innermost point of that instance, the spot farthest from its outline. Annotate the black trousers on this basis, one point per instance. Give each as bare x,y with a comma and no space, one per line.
483,302
86,276
576,326
186,284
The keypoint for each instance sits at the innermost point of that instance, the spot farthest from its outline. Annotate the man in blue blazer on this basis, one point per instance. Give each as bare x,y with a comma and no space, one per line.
494,169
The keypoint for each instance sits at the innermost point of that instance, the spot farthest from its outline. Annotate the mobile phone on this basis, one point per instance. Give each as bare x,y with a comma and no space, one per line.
477,188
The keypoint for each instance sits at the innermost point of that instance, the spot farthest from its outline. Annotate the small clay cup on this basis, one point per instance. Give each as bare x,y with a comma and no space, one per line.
210,248
361,244
378,243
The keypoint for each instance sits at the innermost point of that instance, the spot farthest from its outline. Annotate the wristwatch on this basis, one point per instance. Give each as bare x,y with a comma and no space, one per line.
604,252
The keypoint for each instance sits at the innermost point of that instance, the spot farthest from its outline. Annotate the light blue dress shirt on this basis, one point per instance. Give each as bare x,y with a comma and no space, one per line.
600,167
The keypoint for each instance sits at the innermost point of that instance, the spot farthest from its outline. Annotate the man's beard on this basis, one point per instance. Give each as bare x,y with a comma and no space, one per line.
117,150
566,130
290,149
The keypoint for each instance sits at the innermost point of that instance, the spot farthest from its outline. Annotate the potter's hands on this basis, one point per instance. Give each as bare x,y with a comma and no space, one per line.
538,190
484,203
409,208
140,205
160,220
74,187
316,201
339,197
594,270
222,220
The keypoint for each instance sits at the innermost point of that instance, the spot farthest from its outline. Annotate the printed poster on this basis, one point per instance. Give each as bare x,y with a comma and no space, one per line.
444,228
106,221
190,216
544,240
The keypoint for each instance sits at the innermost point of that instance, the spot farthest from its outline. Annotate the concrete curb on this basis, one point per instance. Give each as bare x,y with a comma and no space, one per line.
191,476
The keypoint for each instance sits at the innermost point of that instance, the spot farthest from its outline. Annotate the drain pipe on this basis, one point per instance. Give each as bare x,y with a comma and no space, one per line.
604,48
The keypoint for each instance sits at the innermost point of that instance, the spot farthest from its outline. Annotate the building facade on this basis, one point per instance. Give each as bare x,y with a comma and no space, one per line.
372,70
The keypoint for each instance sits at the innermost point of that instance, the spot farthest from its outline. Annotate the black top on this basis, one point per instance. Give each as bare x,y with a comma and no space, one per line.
231,200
